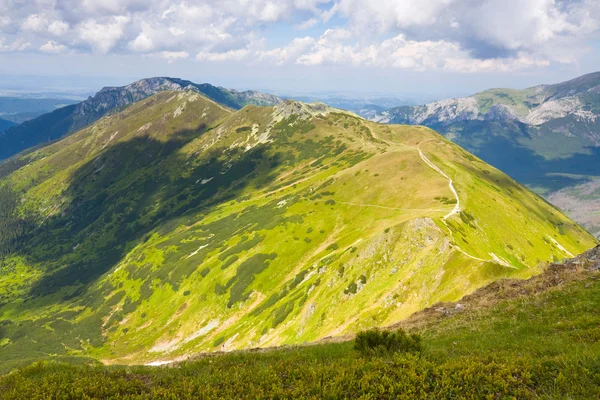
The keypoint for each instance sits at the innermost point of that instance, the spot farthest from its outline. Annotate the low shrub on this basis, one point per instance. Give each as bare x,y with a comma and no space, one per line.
377,342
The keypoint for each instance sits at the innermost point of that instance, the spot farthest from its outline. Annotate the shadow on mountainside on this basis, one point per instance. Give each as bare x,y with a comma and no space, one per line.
523,164
128,191
533,170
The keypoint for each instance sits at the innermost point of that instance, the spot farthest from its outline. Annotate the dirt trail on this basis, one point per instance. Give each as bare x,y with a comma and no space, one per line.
456,209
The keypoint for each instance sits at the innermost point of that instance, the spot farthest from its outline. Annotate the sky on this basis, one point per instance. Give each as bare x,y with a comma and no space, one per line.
391,47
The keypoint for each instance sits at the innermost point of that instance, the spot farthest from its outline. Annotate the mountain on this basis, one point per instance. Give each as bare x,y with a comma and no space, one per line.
4,125
546,137
179,226
69,119
533,339
19,108
365,105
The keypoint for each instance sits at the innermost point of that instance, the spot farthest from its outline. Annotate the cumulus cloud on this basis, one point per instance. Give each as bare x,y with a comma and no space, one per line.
17,45
172,56
464,35
289,53
35,23
58,28
487,29
338,47
103,36
53,47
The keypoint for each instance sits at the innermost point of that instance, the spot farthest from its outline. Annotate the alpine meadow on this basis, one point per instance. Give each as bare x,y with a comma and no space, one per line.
179,226
299,199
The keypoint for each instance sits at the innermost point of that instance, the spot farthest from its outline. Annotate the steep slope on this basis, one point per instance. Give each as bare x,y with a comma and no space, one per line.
4,124
70,119
180,226
546,137
534,339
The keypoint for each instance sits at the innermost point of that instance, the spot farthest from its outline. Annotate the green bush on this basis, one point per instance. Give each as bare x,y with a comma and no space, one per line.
351,289
377,342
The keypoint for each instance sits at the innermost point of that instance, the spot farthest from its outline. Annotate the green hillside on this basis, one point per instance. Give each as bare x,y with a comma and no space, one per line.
535,339
546,137
65,120
179,226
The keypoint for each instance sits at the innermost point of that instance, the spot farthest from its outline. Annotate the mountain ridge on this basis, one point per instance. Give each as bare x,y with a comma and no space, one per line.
61,122
497,104
546,137
178,226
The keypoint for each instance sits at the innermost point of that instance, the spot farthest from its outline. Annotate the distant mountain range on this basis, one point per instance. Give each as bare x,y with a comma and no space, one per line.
363,105
54,125
19,108
546,137
4,125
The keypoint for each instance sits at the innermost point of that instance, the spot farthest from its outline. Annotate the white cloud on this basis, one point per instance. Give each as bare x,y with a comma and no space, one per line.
488,29
53,47
142,43
35,23
172,56
4,21
102,36
415,34
17,45
291,52
309,23
335,47
231,55
58,28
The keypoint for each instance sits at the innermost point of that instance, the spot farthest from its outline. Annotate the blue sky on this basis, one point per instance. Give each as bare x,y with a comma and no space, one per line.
385,46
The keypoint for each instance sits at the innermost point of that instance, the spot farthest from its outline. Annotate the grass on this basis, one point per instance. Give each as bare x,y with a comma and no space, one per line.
176,238
541,345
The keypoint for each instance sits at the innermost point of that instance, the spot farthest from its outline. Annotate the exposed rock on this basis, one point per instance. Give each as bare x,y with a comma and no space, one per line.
552,110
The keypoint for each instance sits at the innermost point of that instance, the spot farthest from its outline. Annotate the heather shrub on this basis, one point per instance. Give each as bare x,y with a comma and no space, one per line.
378,342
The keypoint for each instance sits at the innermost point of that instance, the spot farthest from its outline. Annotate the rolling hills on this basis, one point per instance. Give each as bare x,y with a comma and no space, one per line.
71,118
180,225
546,137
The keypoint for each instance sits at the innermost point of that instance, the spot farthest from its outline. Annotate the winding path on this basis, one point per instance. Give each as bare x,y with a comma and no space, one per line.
456,209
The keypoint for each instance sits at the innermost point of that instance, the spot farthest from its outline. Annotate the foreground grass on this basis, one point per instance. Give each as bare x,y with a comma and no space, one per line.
542,345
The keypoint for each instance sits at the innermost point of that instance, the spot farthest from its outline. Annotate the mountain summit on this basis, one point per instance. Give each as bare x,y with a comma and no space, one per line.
180,225
66,120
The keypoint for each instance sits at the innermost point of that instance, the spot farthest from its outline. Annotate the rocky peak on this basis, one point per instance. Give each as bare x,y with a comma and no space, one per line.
287,108
110,98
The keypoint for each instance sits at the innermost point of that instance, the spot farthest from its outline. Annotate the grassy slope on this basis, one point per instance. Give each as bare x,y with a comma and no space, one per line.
534,339
557,156
521,101
175,228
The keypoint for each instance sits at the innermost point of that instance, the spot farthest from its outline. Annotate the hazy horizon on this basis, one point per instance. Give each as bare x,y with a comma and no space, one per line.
437,48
